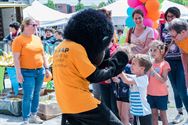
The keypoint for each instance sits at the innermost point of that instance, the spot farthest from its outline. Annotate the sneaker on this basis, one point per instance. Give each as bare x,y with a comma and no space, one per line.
186,123
179,118
25,123
35,119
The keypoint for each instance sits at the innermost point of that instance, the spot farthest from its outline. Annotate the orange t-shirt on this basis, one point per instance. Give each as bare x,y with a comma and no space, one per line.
71,67
30,49
183,45
155,87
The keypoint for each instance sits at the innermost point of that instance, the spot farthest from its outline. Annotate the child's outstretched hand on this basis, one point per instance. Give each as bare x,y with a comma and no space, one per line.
116,79
121,75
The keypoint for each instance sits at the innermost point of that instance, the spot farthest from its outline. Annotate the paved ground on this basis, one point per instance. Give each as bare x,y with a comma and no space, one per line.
11,120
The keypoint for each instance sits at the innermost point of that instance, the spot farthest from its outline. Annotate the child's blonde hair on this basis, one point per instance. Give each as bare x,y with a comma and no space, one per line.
159,45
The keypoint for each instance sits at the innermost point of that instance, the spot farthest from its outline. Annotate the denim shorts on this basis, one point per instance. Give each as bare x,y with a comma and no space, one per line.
121,91
158,102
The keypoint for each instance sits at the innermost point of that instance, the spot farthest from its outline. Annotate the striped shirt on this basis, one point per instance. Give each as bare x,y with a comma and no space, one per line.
138,92
174,51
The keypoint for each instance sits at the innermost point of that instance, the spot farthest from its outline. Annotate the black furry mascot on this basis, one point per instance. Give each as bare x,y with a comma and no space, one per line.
78,61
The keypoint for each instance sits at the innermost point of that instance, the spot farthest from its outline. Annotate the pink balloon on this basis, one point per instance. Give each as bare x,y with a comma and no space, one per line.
148,22
142,7
134,3
156,34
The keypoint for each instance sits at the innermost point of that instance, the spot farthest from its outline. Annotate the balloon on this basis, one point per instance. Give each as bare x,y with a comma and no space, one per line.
152,5
156,34
122,40
133,3
153,15
148,22
48,79
143,1
129,22
155,25
130,11
142,7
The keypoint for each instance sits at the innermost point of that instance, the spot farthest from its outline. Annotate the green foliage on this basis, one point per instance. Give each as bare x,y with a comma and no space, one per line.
50,4
79,6
101,4
183,2
111,1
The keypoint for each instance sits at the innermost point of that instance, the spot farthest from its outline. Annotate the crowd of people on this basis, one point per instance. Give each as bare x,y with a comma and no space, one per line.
138,94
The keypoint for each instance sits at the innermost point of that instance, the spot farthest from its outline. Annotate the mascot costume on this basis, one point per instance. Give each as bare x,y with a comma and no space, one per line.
78,61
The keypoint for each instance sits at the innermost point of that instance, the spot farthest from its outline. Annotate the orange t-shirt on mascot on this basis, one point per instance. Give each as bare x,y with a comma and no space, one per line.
71,67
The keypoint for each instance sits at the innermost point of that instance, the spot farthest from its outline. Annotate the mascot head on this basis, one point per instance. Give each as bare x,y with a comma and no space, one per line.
93,30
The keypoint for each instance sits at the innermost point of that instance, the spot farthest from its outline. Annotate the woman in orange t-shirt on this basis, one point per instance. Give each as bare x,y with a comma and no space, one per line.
179,32
29,61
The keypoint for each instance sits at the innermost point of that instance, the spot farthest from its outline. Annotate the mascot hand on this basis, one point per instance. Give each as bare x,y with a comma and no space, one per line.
119,60
114,66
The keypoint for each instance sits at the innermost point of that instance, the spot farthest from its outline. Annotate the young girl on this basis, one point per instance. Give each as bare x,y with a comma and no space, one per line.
121,92
139,106
157,88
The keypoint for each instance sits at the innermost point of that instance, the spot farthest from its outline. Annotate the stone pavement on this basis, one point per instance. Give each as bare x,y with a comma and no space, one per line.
11,120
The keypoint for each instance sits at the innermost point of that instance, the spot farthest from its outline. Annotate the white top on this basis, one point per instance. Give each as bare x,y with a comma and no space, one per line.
138,92
147,33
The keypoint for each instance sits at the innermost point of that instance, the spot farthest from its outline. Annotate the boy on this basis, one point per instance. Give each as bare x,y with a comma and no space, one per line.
139,106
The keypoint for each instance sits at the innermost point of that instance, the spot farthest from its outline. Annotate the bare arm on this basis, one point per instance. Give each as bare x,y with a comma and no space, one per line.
16,56
125,79
162,78
146,46
46,65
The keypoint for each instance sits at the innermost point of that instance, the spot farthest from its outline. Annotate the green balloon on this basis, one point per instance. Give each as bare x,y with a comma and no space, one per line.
122,40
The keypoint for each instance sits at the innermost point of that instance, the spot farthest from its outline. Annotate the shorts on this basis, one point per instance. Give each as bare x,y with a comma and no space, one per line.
121,91
158,102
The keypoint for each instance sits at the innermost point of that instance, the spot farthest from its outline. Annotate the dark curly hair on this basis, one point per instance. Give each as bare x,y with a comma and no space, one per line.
93,30
174,10
15,25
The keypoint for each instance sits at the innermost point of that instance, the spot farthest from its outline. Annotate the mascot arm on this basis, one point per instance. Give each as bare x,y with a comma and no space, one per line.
115,66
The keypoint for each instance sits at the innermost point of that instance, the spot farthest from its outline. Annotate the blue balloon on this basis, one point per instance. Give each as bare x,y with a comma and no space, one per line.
129,22
130,11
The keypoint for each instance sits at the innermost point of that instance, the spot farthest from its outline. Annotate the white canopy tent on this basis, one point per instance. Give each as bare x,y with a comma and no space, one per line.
46,16
119,10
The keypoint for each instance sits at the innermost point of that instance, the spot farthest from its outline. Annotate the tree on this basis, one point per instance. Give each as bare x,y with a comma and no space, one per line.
101,4
79,6
111,1
50,4
183,2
